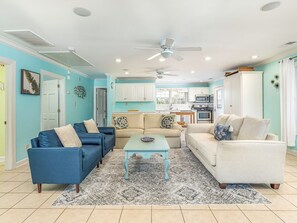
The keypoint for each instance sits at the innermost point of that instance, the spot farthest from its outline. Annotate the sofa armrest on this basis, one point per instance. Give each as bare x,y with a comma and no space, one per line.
199,128
55,165
178,127
271,137
250,161
91,138
107,130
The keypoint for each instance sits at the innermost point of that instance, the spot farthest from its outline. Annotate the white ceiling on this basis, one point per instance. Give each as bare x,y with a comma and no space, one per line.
229,31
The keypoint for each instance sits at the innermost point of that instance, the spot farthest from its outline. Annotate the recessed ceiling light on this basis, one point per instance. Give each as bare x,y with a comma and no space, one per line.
82,12
254,57
208,58
126,72
270,6
162,59
192,72
201,81
118,60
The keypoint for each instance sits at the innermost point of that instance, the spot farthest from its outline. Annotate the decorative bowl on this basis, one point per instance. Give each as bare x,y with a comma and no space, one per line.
147,139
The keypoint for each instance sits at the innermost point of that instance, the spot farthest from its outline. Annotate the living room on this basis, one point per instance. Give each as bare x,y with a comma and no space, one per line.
174,111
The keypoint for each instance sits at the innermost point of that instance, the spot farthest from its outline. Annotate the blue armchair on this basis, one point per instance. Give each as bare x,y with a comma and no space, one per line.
106,135
51,163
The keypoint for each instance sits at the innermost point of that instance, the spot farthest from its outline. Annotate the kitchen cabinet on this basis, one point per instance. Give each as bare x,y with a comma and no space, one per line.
194,91
136,92
243,94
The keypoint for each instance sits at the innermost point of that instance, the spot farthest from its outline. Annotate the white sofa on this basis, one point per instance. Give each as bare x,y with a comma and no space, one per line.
238,161
140,123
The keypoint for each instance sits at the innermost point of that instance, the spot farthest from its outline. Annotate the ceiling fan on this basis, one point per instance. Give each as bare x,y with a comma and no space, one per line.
167,49
160,74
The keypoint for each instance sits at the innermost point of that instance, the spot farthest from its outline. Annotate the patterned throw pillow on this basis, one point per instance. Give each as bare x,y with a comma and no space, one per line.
167,121
222,132
120,122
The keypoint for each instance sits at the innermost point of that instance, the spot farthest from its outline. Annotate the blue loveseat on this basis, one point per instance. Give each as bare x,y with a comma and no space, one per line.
51,163
106,135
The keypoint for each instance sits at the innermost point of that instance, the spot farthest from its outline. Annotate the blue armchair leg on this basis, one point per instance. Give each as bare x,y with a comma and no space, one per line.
101,162
98,165
39,188
77,188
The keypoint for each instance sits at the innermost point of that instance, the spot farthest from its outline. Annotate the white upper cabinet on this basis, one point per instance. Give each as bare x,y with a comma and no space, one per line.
195,91
243,94
135,92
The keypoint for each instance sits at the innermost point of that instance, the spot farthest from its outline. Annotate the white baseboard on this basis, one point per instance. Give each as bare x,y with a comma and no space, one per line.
22,162
2,159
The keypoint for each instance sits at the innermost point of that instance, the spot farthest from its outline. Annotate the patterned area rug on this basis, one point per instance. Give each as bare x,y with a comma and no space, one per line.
189,183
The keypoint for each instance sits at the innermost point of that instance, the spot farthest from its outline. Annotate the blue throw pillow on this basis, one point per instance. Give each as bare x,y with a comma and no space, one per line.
49,138
222,132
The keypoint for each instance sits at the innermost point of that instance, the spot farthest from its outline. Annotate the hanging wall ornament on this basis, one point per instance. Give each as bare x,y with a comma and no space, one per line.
80,91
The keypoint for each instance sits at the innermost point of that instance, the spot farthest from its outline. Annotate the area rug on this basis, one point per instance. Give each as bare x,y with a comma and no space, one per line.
189,183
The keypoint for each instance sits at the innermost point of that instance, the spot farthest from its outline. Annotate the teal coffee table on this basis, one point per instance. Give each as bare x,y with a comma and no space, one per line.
146,149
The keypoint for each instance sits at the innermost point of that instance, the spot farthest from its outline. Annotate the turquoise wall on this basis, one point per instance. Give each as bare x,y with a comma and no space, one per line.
272,96
28,107
100,82
215,84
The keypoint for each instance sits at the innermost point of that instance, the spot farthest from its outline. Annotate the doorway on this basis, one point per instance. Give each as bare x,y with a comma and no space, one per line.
218,102
52,100
101,107
2,114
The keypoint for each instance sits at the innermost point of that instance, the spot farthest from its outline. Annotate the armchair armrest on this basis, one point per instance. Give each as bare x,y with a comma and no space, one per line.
91,138
107,130
250,161
199,128
55,165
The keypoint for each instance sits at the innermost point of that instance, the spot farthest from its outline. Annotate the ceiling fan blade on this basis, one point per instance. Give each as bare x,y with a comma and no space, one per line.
147,48
172,75
177,57
152,57
191,48
169,43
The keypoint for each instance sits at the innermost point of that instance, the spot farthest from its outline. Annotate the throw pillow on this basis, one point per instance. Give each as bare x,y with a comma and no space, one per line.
235,123
167,121
121,122
254,129
68,136
91,126
220,120
222,132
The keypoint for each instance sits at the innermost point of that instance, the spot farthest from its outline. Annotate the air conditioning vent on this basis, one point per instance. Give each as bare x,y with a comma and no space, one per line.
68,58
29,37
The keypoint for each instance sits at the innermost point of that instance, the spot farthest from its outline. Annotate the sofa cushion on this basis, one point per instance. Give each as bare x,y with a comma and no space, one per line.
135,120
91,126
167,121
222,132
121,122
254,129
49,138
126,133
90,155
152,121
164,132
222,119
235,122
68,136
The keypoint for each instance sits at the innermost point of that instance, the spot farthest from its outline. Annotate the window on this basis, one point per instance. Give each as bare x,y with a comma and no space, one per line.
163,96
178,96
171,96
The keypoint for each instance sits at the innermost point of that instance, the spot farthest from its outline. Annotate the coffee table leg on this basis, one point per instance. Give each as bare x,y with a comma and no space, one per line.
126,166
166,165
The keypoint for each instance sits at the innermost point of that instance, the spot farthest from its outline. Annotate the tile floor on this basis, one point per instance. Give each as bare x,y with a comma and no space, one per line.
20,202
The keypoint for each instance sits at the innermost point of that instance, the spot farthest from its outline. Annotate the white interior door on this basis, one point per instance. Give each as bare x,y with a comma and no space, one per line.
50,104
218,102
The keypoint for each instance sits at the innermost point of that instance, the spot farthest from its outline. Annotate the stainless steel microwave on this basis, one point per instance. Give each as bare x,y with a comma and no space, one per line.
202,98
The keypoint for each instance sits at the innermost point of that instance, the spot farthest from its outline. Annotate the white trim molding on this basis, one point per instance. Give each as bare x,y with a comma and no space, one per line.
10,113
22,162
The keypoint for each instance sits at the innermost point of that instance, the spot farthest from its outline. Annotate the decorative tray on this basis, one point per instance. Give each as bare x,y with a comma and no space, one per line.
147,139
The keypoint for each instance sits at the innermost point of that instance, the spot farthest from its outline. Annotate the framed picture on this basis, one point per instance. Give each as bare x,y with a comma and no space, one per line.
30,82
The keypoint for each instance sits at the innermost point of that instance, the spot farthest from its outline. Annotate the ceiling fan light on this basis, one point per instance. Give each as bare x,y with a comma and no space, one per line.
162,59
167,53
